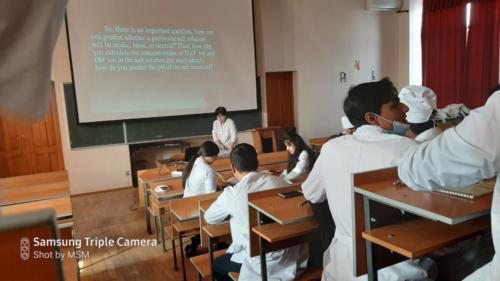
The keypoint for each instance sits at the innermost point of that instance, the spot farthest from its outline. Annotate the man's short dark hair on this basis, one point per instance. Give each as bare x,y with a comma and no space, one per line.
368,97
244,158
220,110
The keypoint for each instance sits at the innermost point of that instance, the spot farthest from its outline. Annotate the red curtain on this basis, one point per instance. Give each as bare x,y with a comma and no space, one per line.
443,48
482,52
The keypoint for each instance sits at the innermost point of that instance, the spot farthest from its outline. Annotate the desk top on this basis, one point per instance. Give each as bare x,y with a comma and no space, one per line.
274,232
283,211
431,205
61,207
220,164
187,208
35,192
175,191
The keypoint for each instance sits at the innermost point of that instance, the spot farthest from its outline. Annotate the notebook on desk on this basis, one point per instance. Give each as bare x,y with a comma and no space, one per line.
470,192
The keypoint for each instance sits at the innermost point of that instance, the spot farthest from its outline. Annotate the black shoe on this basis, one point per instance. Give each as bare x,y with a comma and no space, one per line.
191,251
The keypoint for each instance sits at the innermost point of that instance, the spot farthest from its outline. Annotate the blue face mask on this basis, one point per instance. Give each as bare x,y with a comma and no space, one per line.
398,128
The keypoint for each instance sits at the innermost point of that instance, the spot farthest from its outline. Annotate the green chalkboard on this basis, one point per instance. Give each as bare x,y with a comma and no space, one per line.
142,130
89,134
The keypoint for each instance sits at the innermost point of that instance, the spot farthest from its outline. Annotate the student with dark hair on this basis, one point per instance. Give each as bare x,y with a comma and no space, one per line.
233,204
301,157
374,109
200,178
224,131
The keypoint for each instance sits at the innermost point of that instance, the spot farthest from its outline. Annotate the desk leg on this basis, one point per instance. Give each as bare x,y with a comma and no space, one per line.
211,254
157,219
262,252
146,212
176,268
160,222
370,259
182,258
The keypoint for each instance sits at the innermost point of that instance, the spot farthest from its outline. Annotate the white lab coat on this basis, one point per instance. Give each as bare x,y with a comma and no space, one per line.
225,133
29,30
428,135
233,203
369,148
462,156
301,168
202,179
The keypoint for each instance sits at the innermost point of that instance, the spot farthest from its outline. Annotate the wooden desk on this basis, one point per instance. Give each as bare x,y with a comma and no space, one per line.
15,190
292,220
450,211
61,206
146,177
187,208
283,211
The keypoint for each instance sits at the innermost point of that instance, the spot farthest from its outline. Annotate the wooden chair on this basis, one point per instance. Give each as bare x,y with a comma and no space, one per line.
260,134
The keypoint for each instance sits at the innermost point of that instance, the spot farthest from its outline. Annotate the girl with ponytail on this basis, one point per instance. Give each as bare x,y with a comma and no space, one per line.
199,177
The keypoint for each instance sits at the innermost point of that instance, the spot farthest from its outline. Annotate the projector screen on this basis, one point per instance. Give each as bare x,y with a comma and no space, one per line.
152,58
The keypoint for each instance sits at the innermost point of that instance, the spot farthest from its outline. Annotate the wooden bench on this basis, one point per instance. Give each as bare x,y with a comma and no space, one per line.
416,238
202,263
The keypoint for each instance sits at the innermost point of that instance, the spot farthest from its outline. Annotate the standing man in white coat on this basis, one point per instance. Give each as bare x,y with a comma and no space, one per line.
374,109
461,156
233,203
224,131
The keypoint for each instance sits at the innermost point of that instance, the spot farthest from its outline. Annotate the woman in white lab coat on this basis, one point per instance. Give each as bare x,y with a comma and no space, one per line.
301,157
461,156
224,131
200,178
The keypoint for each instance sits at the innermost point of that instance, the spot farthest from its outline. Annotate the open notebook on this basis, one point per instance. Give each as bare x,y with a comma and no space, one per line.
472,191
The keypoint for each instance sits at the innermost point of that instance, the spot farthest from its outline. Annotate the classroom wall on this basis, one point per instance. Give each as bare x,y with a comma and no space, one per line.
318,39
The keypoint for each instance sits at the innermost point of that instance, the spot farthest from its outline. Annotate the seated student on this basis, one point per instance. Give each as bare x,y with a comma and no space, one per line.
233,203
421,103
301,157
374,109
199,178
224,131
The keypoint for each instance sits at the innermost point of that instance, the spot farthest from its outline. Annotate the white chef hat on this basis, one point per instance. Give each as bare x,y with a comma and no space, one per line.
421,102
346,124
